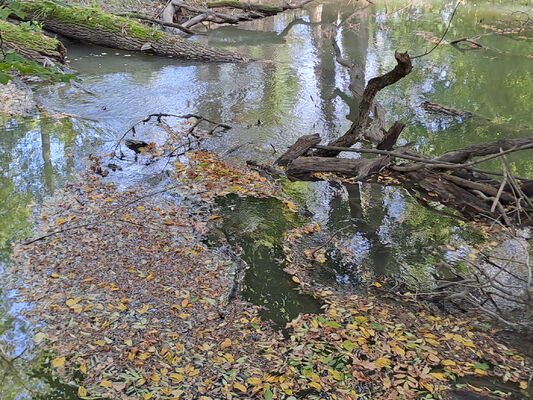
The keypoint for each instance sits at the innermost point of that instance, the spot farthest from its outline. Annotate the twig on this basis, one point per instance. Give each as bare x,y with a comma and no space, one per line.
443,35
330,239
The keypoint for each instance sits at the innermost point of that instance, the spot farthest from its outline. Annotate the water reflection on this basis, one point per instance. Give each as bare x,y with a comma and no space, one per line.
298,90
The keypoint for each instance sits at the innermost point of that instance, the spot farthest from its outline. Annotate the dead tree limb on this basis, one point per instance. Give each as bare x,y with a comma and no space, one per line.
356,131
200,14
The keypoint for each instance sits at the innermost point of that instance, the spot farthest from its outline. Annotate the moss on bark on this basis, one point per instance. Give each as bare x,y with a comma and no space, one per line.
92,18
32,45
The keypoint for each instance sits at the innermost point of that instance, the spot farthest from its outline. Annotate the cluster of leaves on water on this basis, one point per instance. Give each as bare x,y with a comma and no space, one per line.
125,293
365,346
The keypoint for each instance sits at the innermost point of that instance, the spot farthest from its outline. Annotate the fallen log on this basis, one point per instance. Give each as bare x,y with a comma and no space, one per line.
435,108
306,167
208,13
31,45
301,147
93,26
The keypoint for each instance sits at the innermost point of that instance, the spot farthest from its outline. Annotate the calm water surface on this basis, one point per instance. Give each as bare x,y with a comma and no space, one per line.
300,90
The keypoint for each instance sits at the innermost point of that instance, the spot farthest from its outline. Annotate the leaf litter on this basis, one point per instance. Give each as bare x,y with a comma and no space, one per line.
123,289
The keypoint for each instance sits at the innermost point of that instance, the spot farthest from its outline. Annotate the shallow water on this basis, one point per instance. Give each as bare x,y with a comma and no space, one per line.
301,90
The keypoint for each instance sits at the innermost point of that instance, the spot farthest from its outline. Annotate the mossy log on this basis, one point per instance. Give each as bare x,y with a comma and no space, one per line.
94,26
32,45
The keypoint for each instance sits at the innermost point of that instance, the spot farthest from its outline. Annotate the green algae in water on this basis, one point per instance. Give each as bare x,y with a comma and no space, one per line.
257,226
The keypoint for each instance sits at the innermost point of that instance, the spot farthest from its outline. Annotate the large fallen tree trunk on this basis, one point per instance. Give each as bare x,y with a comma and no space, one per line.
32,45
94,26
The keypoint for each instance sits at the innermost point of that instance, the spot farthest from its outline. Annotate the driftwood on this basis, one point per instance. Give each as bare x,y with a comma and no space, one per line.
451,179
435,108
301,147
197,15
356,131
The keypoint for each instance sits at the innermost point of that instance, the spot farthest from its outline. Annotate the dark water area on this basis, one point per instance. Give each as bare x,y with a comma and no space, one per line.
298,90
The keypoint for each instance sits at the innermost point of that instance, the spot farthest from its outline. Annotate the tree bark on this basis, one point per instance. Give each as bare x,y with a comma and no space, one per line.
305,167
356,131
32,45
302,145
93,26
251,11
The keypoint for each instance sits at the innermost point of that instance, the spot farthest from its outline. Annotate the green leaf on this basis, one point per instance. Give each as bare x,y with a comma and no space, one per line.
482,366
348,345
268,394
376,326
4,78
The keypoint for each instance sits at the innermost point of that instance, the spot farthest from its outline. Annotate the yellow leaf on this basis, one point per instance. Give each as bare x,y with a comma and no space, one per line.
72,302
447,362
109,199
58,362
147,396
398,350
239,386
428,386
315,385
293,207
140,208
177,378
150,276
83,368
523,385
383,362
225,344
82,392
376,284
438,375
106,384
254,381
434,358
295,279
432,342
60,221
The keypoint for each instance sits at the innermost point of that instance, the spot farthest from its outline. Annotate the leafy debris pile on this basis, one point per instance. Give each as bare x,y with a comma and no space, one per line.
124,291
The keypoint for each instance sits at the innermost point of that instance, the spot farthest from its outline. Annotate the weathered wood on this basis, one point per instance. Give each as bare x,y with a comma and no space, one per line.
356,131
34,46
251,11
93,26
450,194
302,145
435,108
305,167
487,189
391,137
467,153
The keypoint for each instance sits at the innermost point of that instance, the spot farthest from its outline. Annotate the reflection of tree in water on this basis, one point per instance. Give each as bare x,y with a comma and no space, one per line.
257,226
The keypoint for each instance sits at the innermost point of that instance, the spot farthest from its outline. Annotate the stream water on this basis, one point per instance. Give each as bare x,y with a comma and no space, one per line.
270,104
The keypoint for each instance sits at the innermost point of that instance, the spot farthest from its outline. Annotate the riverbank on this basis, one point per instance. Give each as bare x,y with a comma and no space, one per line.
16,98
133,304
